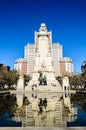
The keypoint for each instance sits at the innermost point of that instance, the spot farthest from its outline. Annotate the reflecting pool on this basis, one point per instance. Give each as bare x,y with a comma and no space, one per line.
42,110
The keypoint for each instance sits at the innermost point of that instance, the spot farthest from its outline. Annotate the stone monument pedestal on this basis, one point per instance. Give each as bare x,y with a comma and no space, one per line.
20,85
65,81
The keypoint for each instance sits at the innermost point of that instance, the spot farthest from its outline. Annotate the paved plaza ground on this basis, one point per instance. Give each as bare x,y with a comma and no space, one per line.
41,128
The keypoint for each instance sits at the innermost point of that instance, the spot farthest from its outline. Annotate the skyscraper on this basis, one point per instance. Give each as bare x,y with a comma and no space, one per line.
56,55
29,56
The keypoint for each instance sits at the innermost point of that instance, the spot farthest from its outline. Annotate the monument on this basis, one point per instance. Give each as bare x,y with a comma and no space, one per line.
43,75
20,84
65,81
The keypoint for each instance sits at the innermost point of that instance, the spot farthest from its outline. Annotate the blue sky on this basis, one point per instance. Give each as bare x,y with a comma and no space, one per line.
20,18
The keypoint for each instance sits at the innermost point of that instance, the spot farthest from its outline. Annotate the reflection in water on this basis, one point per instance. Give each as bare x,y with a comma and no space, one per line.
8,106
45,109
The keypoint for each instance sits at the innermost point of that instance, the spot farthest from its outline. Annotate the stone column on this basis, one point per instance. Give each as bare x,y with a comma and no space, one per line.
65,82
20,85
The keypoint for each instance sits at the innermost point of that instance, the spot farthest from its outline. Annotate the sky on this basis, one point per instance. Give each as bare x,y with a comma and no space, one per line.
19,19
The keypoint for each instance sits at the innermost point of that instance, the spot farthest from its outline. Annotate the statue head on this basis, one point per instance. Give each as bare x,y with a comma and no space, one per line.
43,27
21,74
65,73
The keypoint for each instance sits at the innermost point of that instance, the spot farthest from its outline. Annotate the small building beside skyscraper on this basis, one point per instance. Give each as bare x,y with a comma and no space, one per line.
4,68
60,64
21,65
66,64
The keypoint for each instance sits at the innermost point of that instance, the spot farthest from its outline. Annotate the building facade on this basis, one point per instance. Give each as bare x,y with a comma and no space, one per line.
29,56
66,64
55,50
21,65
83,66
4,68
56,55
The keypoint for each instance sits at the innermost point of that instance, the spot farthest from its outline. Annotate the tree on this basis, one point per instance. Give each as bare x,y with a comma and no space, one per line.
2,79
83,79
8,78
75,81
11,78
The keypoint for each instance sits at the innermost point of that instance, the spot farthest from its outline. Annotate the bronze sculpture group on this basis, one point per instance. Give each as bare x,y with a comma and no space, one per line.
42,79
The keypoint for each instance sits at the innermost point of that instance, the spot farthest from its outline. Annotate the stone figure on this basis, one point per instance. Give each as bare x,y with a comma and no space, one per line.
43,27
40,78
45,80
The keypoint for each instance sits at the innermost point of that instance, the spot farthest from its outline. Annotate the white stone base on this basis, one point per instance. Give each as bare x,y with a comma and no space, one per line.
52,83
20,85
54,87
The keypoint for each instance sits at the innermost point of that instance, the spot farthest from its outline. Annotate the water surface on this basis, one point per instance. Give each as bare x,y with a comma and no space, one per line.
43,110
